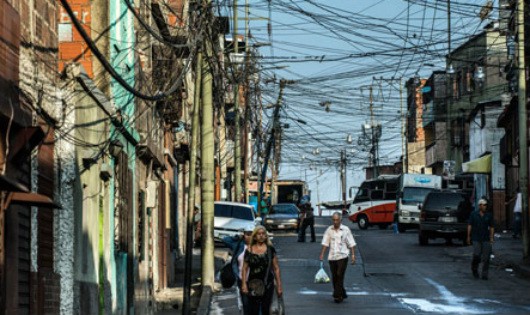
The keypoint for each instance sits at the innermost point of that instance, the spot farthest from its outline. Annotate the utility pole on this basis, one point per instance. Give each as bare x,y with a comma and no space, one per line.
237,142
247,107
522,117
207,161
343,178
449,88
271,141
191,192
404,140
318,196
375,141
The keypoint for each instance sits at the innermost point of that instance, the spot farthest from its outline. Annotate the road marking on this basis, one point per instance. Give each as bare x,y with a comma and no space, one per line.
306,291
450,303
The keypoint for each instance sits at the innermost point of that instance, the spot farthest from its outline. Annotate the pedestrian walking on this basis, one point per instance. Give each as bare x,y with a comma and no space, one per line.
517,215
480,233
238,245
339,239
307,219
260,272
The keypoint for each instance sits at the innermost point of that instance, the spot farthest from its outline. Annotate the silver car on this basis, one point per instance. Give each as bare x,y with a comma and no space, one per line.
282,216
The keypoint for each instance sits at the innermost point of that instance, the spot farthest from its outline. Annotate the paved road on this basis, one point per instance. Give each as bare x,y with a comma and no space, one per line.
393,275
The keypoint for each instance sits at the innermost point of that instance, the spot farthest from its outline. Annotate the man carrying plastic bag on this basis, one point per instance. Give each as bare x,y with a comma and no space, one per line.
339,239
321,276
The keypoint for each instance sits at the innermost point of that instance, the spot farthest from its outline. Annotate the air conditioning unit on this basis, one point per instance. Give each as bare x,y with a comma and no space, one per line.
151,194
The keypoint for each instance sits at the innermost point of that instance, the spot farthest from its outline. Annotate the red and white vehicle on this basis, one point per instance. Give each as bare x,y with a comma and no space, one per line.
375,202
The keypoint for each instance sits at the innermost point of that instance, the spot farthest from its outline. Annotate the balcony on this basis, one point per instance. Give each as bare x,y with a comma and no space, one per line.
436,153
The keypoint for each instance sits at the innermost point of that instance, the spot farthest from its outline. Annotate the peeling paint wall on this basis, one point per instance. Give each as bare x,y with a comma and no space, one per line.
64,219
34,222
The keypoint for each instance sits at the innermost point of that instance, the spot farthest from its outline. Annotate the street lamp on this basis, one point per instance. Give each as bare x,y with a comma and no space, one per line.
349,139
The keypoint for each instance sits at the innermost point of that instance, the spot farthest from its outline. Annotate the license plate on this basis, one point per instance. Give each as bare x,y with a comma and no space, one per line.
281,226
447,219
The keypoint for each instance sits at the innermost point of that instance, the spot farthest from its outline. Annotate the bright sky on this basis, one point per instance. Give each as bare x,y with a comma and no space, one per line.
337,50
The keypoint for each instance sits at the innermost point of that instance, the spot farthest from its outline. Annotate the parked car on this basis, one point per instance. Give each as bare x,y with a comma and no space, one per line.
444,214
230,218
282,216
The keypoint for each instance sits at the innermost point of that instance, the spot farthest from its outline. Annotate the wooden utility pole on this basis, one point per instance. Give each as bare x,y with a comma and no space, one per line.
271,141
246,151
207,160
237,142
343,178
522,117
195,127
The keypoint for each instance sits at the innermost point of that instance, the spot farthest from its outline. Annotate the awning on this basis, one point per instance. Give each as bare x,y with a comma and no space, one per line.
481,165
32,199
8,184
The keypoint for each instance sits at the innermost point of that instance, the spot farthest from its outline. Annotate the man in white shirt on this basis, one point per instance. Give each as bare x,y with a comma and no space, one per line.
339,239
517,215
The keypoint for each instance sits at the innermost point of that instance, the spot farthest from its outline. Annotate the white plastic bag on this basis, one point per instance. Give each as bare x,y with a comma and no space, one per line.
321,276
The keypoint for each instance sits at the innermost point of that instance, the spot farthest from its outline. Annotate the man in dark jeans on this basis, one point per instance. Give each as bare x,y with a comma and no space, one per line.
307,218
339,239
480,230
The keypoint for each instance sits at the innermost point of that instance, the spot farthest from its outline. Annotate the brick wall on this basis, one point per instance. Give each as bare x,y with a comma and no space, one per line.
71,46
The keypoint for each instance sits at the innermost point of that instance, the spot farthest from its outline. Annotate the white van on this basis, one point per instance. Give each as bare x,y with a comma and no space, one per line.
230,218
412,190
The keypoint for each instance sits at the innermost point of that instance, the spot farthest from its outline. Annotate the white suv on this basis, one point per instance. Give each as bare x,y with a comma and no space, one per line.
230,218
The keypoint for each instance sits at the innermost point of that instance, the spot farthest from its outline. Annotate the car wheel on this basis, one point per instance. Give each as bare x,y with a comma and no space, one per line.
401,228
383,226
422,238
362,221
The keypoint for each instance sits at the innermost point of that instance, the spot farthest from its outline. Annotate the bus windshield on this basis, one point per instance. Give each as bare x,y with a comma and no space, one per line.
414,195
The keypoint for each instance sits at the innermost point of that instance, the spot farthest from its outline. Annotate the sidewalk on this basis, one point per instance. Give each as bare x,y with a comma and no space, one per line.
170,300
508,255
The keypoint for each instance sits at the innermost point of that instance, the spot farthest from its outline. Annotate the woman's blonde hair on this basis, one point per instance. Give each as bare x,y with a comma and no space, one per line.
255,232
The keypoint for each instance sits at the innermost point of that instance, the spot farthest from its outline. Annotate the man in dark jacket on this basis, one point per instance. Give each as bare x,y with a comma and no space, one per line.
480,231
307,218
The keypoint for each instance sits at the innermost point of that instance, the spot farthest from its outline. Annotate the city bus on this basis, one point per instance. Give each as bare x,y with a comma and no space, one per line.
375,202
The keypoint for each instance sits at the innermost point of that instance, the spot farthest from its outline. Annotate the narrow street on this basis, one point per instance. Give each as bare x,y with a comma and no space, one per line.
393,275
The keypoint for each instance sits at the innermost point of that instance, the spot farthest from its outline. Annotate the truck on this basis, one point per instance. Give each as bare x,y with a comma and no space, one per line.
412,190
288,191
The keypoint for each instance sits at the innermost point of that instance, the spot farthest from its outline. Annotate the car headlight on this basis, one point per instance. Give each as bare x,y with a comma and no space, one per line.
405,213
292,221
269,221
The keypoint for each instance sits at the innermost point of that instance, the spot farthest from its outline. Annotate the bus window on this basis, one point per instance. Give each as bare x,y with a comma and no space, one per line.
376,195
392,187
362,195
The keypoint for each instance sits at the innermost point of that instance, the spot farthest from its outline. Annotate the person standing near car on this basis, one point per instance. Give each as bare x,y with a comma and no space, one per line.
307,218
480,233
339,239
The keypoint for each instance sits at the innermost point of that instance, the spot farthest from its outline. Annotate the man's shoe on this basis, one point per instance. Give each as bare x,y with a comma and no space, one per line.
312,241
339,300
484,277
475,274
300,241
